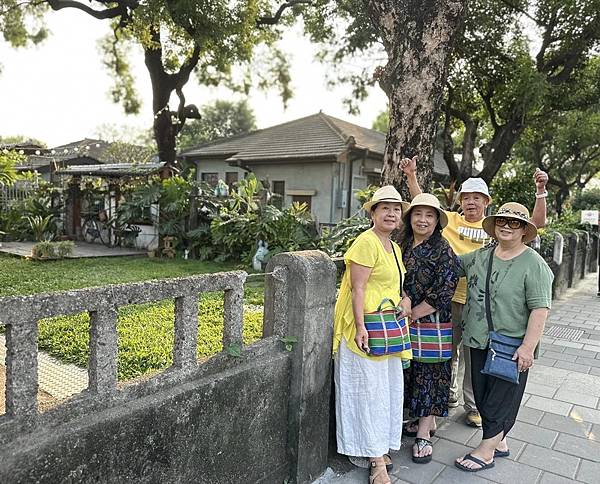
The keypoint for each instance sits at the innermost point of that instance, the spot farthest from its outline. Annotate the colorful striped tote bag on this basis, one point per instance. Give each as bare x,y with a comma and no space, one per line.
388,329
431,339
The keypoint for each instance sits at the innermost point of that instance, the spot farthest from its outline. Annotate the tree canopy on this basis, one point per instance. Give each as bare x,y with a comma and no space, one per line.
207,38
513,63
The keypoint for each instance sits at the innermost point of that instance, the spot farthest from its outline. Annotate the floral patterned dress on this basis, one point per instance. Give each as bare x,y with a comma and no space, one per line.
431,276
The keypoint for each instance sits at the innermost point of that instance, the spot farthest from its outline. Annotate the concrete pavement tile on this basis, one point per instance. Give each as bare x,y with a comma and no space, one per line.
568,344
588,472
583,448
545,361
548,405
595,371
446,451
541,390
533,434
452,475
407,470
559,356
577,398
525,398
548,478
581,360
529,415
567,365
585,414
355,476
457,432
565,425
554,348
574,352
547,376
509,472
580,383
594,348
550,460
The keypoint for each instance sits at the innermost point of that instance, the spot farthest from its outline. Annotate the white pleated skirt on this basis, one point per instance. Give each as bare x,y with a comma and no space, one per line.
368,403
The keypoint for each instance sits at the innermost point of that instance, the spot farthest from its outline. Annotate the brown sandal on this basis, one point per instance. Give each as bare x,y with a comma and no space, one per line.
376,471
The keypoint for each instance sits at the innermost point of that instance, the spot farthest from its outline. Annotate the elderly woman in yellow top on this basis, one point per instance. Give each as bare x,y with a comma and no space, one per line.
369,389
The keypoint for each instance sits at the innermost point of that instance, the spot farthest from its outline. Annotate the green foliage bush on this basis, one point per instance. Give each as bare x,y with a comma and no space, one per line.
587,200
52,250
513,183
336,240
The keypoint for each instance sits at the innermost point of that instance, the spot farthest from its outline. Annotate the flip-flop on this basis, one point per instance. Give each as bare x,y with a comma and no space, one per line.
421,444
501,453
476,461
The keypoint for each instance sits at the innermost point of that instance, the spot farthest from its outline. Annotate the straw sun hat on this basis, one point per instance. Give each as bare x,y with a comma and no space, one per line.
386,193
426,200
511,210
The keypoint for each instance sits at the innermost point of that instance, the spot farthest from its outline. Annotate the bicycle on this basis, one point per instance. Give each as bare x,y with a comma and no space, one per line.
96,226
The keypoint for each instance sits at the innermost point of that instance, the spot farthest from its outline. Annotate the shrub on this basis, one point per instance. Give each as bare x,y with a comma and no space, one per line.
336,241
52,250
587,200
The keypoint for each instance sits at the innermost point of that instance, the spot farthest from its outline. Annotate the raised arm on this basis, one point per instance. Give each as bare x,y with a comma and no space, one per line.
409,167
538,216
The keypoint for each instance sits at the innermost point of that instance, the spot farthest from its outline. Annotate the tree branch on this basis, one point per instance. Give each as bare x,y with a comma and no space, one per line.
487,100
524,12
122,9
275,19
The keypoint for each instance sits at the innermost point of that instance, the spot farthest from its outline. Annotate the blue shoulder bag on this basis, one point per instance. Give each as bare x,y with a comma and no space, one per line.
499,362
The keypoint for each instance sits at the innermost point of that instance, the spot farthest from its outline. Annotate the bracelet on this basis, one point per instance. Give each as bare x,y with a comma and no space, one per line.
542,195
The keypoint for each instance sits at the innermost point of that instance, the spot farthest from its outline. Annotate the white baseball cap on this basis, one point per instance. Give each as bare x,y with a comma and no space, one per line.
474,185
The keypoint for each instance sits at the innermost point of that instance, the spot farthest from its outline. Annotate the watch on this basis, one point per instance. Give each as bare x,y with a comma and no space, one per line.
544,194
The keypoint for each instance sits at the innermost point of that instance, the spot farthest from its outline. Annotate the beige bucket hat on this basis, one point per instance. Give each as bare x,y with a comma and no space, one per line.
386,193
511,210
426,200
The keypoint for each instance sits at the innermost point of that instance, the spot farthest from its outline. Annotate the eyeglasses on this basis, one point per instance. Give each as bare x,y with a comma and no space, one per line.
511,222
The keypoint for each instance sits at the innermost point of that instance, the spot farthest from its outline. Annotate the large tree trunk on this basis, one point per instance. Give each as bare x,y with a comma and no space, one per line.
418,37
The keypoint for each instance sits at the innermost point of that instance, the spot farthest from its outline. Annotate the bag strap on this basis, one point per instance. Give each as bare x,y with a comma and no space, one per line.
398,266
488,311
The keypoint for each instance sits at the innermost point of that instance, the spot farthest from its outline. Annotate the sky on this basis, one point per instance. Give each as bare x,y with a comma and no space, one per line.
57,92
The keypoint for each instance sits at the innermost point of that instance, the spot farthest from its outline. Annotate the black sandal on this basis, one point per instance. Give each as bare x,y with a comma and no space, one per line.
421,444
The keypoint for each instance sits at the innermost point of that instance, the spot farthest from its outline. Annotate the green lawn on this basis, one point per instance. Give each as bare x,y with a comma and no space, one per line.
145,331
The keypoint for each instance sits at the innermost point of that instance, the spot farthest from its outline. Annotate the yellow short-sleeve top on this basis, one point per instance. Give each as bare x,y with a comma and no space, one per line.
384,282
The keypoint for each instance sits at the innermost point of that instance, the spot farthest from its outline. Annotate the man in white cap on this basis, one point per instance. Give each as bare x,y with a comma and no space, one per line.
465,234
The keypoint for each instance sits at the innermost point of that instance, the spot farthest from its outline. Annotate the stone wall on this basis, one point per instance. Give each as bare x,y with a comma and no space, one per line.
259,417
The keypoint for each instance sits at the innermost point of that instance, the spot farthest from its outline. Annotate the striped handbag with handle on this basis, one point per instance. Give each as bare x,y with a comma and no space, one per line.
388,329
431,339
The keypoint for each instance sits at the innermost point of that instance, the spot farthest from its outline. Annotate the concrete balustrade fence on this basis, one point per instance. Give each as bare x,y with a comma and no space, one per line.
259,417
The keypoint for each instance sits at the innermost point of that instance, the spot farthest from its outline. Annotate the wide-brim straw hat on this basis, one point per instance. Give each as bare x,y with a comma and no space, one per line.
511,210
475,185
426,200
386,193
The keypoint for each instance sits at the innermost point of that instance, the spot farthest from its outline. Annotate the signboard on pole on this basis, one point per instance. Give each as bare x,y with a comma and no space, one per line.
589,217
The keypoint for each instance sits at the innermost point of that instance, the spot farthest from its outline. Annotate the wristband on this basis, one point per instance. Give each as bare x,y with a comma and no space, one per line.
542,195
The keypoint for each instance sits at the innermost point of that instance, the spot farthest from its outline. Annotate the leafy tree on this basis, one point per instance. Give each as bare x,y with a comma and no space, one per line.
587,200
498,90
205,37
382,122
218,120
568,148
413,39
8,160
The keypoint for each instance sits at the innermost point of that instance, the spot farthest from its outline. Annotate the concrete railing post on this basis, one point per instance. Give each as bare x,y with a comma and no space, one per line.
21,370
573,244
310,304
102,368
185,345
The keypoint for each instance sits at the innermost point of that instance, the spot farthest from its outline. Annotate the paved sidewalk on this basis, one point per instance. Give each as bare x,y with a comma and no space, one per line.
557,435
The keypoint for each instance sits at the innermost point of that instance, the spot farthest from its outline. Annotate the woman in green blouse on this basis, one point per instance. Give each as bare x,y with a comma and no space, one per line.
520,296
